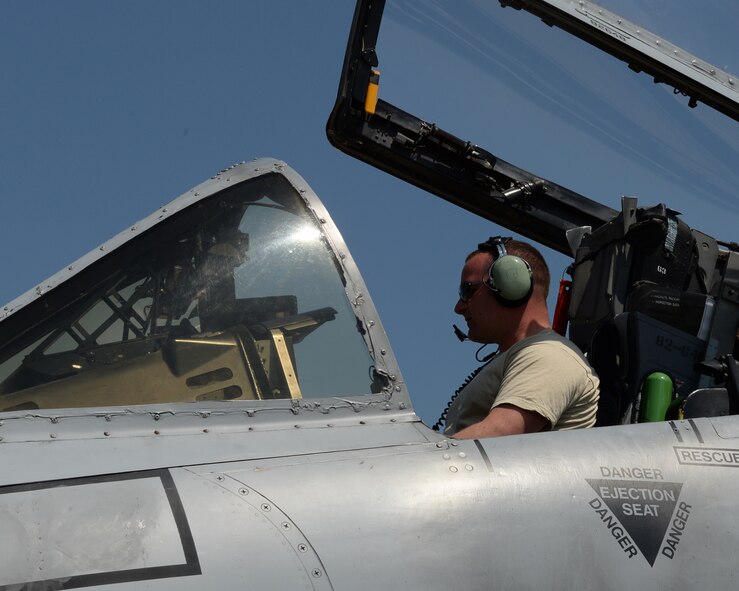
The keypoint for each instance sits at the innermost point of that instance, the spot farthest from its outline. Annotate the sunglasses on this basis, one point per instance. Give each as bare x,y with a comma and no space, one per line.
468,289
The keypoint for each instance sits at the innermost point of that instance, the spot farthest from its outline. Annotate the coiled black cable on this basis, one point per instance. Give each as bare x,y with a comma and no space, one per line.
487,359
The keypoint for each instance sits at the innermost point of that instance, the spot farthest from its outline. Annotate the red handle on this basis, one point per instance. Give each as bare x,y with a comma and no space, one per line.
563,304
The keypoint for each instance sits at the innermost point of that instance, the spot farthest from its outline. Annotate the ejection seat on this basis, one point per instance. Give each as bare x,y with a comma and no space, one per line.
649,294
627,349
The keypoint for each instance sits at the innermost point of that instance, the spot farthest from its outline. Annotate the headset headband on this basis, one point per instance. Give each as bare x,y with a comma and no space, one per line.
495,245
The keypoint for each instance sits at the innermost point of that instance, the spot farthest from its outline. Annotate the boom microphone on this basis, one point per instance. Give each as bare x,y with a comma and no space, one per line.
459,334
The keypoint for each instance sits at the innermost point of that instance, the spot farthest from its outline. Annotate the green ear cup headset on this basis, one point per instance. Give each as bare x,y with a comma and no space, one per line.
509,277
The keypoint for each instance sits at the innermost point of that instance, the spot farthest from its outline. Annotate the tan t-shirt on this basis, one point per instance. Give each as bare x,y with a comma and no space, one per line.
545,373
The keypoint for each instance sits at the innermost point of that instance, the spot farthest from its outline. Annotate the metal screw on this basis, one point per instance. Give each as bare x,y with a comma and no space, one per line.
302,547
285,525
243,491
266,507
220,478
316,573
452,468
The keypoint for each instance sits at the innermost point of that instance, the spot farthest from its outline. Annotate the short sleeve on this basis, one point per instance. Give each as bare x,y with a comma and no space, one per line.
543,377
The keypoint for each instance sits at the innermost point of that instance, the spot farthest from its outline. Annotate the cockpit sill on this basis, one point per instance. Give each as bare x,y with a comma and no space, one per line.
38,446
202,418
387,402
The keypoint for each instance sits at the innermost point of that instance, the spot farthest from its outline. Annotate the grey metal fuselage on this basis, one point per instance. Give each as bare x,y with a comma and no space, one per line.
353,506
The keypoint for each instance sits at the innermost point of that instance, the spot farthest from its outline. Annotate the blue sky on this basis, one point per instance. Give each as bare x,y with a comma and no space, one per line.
111,109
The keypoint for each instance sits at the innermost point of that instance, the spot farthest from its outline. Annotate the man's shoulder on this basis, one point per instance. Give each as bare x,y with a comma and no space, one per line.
545,338
548,344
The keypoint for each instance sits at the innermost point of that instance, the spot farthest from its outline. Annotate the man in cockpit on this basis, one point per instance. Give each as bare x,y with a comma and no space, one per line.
538,380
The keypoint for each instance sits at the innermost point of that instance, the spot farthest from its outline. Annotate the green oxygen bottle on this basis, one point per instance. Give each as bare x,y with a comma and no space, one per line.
656,397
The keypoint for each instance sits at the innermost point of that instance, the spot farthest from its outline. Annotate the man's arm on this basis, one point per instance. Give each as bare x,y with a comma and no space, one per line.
505,419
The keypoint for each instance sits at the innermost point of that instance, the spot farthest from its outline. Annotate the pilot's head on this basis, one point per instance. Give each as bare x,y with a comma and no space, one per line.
503,282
